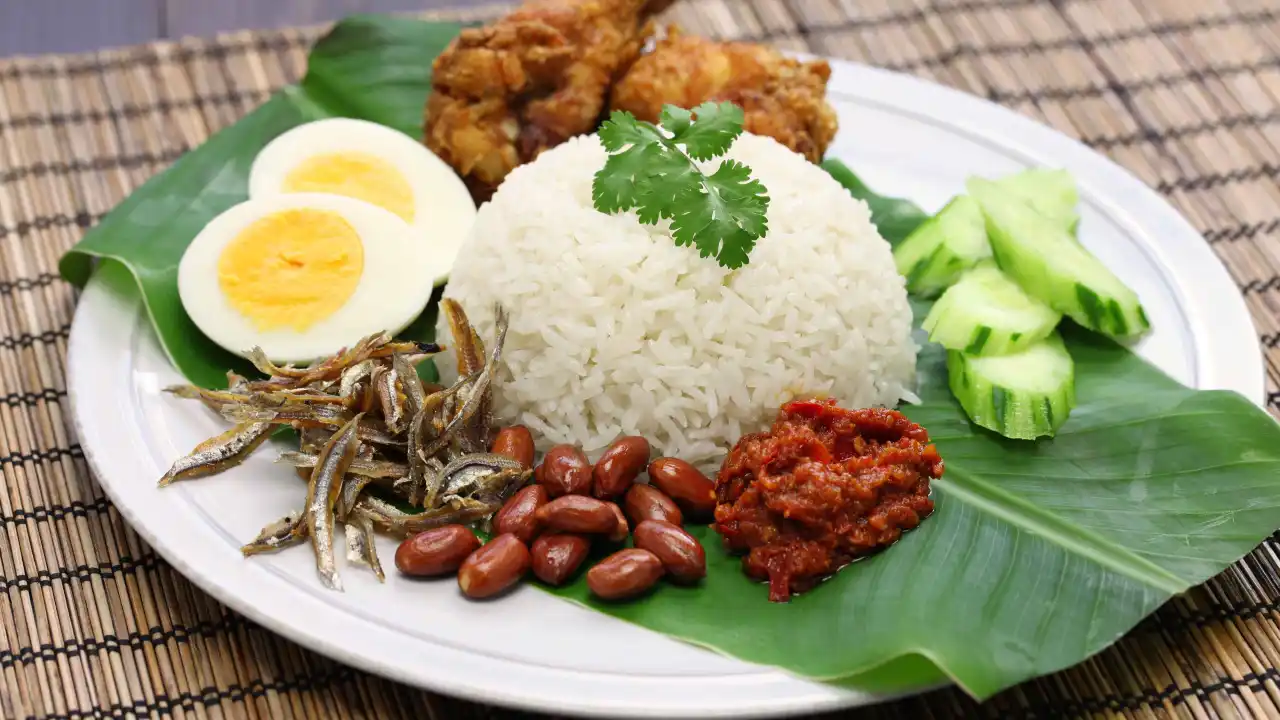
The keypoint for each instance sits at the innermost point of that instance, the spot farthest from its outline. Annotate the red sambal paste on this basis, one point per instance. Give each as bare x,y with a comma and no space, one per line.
823,486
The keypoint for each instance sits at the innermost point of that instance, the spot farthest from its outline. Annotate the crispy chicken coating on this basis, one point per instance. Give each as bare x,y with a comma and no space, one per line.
781,97
503,93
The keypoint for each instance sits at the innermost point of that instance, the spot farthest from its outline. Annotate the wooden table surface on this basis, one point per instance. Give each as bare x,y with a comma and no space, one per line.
65,26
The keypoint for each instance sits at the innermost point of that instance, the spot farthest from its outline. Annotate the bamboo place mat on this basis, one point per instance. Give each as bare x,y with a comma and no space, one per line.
1184,93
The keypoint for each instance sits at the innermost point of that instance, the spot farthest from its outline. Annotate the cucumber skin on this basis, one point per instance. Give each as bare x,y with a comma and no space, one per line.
935,272
1073,299
929,274
983,340
996,408
1088,308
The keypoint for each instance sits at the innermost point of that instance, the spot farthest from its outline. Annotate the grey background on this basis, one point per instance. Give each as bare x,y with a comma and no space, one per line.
62,26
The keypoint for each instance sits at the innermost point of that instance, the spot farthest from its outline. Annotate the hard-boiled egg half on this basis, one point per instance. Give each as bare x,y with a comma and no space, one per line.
379,165
302,275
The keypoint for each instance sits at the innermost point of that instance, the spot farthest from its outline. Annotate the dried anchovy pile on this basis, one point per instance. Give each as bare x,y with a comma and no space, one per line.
365,419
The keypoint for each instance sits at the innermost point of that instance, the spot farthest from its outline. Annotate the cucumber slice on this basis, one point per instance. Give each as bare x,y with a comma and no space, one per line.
1022,396
1050,265
1052,193
943,247
986,313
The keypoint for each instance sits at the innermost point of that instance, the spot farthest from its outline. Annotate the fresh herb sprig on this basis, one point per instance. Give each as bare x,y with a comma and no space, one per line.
721,214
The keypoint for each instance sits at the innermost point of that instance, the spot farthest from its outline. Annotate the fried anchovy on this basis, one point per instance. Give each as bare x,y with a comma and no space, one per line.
414,394
352,386
500,485
314,393
386,385
219,453
491,488
374,347
345,358
415,358
373,431
467,470
472,474
417,483
434,405
362,548
402,487
476,436
311,440
310,417
388,517
468,348
219,399
289,414
213,399
420,350
463,415
432,481
424,470
352,486
367,398
378,345
322,495
264,365
285,532
436,400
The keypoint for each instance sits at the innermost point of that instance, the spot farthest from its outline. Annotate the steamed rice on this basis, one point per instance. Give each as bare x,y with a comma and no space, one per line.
615,330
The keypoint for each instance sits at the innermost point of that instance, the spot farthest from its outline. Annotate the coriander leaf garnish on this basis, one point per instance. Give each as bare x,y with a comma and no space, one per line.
722,214
733,214
622,129
717,127
675,119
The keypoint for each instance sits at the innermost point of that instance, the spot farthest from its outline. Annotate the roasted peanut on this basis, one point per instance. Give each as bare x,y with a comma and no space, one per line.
566,472
438,551
515,442
494,568
578,514
518,515
645,502
618,467
621,528
681,553
685,484
624,574
557,556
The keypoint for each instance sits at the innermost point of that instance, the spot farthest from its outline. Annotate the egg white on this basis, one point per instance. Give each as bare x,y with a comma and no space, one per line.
390,293
443,208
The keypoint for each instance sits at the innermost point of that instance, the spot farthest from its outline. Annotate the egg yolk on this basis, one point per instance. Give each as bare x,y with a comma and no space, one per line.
292,268
355,175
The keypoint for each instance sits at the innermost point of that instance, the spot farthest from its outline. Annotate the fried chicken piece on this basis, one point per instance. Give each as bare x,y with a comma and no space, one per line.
503,93
782,98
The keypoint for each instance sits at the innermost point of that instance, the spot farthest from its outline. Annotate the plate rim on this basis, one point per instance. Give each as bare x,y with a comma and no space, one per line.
910,94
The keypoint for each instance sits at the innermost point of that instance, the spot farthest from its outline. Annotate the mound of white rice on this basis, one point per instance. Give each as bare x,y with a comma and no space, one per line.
617,331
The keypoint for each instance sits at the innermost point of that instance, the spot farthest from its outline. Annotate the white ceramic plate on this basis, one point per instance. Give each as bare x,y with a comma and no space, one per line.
905,137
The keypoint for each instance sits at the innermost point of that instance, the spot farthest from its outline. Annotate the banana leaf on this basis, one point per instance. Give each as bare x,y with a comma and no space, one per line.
1038,554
